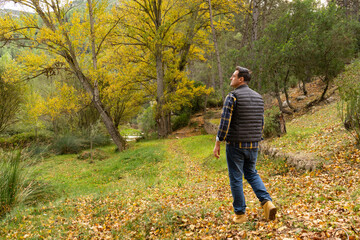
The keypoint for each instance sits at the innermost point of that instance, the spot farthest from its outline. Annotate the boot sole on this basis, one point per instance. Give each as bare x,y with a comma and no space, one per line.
272,213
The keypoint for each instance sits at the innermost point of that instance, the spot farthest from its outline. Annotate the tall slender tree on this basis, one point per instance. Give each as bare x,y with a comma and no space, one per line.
66,35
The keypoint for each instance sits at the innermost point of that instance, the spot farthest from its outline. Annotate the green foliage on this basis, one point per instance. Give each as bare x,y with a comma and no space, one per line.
10,99
72,144
146,121
301,42
180,121
69,144
349,86
130,132
214,100
17,184
25,139
271,125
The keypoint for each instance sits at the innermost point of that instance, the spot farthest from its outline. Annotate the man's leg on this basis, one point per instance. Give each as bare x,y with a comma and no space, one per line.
253,178
235,161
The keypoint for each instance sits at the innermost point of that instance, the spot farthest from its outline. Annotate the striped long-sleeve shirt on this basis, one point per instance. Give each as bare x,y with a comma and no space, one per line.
229,105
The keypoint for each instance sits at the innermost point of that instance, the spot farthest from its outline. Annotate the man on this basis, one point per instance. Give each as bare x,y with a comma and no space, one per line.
241,127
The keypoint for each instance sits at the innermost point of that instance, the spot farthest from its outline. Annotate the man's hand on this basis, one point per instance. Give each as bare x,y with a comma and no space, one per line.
217,149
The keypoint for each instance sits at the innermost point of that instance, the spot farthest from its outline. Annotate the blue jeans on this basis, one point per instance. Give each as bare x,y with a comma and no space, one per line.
241,162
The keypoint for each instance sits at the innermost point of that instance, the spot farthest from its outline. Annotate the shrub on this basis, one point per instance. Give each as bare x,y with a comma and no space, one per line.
349,88
69,144
272,124
147,123
16,183
214,100
180,121
98,140
24,139
37,150
10,101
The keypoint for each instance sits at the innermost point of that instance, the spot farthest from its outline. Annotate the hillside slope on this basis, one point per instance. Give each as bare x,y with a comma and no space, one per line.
176,189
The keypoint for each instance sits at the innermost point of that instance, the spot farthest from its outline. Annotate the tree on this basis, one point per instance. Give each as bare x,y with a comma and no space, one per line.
335,44
164,36
272,57
301,43
217,53
71,40
10,99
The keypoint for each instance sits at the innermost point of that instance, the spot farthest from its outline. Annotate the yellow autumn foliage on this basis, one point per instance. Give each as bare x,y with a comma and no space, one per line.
65,100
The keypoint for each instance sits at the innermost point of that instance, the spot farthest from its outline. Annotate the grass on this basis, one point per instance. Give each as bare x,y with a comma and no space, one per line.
321,131
73,177
175,188
215,121
123,176
130,132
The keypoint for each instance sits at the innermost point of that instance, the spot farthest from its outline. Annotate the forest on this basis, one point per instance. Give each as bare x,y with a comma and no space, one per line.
81,78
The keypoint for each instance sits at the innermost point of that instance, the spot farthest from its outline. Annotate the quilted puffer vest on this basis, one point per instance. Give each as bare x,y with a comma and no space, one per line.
247,118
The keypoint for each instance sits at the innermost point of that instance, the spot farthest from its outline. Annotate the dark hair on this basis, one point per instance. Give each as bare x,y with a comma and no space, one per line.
244,72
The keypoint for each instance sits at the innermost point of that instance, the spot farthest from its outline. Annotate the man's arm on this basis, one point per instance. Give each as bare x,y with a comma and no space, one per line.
225,122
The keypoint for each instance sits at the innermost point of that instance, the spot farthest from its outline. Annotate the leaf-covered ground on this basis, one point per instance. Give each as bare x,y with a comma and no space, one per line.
175,189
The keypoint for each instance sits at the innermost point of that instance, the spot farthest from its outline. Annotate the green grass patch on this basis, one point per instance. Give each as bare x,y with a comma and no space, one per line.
130,132
73,177
201,149
320,131
215,121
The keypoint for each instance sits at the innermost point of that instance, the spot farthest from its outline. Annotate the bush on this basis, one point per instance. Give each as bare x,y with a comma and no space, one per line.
16,183
75,143
349,88
10,101
214,101
69,144
24,139
147,123
180,121
272,124
98,140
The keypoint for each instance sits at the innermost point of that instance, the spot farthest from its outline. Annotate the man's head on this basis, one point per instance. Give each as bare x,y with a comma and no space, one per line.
240,77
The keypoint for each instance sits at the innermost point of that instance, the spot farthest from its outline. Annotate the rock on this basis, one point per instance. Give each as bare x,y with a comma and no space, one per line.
300,160
210,128
331,99
285,105
302,97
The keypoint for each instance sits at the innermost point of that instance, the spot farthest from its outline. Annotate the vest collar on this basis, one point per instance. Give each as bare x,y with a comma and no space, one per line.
242,86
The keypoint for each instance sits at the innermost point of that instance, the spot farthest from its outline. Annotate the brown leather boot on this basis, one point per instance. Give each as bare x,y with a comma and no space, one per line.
269,210
240,218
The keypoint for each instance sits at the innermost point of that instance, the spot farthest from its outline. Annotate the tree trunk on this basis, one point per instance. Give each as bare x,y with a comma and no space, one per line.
327,81
161,115
217,53
212,77
92,34
282,124
285,91
255,20
254,37
277,95
303,88
113,131
94,92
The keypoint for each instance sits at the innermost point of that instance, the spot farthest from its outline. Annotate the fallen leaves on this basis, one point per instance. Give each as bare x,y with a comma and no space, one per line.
312,205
